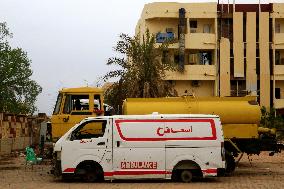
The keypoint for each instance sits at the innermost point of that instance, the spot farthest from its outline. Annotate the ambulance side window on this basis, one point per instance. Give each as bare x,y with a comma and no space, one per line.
90,129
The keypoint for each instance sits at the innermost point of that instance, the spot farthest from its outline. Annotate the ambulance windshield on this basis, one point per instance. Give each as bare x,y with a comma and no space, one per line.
89,129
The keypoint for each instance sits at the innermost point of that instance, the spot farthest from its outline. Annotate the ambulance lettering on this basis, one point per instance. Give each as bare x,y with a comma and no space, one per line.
138,165
161,131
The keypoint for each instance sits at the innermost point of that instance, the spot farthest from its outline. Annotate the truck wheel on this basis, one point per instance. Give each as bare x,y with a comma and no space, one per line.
230,164
186,176
90,176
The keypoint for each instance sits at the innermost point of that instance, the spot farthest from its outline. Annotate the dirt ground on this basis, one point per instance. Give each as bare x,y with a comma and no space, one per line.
261,172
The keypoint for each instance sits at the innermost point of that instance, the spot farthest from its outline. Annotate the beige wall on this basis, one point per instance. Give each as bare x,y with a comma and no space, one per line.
205,88
194,72
200,41
279,72
170,10
160,24
201,22
278,10
251,77
225,67
264,59
238,44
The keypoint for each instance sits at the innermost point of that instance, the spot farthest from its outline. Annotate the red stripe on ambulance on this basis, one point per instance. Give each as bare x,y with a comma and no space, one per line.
109,174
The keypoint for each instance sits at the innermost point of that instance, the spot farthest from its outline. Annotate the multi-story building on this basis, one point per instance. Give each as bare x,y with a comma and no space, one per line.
223,49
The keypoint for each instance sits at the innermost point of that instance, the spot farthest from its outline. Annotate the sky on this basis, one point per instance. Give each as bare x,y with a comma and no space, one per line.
69,41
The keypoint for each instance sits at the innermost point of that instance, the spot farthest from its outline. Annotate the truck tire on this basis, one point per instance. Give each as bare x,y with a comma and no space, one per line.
230,163
186,176
90,176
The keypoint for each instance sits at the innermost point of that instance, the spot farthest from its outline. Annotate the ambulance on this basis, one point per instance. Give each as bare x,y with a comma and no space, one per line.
157,146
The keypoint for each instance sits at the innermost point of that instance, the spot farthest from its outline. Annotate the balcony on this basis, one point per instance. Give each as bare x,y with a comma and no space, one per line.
279,103
279,72
279,40
200,41
164,37
194,72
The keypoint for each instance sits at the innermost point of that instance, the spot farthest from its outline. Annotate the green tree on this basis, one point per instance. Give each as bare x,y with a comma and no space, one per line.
17,91
271,119
142,65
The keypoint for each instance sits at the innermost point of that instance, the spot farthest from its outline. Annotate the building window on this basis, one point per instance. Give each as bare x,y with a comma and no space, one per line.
165,57
207,28
257,66
205,58
193,23
277,58
277,28
169,30
193,58
193,26
176,59
200,58
277,93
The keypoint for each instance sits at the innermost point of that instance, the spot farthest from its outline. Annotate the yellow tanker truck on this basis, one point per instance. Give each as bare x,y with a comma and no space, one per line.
240,116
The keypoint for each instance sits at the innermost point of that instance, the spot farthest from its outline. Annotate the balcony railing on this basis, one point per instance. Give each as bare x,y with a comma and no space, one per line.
279,103
193,72
279,40
200,41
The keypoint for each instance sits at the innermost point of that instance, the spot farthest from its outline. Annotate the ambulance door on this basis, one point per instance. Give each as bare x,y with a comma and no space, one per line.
91,140
138,152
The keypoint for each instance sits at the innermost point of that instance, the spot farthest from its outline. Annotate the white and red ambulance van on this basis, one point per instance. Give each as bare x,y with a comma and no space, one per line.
155,146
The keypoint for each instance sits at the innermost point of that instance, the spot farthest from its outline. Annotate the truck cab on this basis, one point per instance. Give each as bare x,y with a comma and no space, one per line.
73,105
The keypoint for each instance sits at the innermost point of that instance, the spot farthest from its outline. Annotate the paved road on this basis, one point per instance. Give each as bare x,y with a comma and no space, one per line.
264,172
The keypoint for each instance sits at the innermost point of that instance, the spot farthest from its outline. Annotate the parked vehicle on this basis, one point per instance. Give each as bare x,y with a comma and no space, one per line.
155,146
240,117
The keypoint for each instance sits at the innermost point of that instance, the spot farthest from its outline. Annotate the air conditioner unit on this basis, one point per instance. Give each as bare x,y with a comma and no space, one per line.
195,83
169,30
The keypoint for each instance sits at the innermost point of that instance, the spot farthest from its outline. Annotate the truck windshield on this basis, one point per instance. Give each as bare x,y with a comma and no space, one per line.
76,103
57,105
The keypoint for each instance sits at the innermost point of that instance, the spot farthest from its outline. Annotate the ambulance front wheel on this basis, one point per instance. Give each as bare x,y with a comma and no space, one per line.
90,171
186,176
